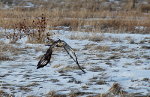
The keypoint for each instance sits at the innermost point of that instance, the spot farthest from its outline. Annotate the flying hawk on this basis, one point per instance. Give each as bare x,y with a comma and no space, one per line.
45,59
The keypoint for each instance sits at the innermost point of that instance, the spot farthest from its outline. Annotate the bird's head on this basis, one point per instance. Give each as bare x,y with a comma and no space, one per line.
60,43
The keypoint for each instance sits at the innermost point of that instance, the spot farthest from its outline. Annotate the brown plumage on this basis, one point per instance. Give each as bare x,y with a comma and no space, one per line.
45,59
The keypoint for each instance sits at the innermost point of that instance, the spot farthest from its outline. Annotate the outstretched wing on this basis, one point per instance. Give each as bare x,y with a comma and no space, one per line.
45,59
72,54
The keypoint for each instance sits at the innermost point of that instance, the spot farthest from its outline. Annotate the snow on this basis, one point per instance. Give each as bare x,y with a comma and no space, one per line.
125,70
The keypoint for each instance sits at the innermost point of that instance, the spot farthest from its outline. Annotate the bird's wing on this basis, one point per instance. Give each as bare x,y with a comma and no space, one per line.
72,54
45,59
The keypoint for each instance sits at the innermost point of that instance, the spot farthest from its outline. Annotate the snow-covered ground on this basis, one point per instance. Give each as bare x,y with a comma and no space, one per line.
107,58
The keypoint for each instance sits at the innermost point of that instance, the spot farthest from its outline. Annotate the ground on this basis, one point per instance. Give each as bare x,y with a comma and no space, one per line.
107,59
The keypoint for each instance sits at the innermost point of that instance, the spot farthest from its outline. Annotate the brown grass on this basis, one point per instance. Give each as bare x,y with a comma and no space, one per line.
103,48
4,57
144,8
4,94
54,94
116,89
26,89
90,36
80,15
76,19
6,49
69,68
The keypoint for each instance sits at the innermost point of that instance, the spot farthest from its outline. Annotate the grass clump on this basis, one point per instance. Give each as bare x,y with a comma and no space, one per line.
116,89
4,94
102,48
54,94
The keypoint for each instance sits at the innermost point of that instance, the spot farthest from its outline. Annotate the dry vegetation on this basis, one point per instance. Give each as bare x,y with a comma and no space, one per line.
4,94
115,90
83,15
118,21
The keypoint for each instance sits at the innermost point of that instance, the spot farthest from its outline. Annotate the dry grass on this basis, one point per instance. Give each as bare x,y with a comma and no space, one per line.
32,84
26,89
85,15
116,89
5,49
144,8
4,94
9,48
97,69
54,94
4,57
32,96
78,93
90,36
88,46
102,48
114,39
124,20
69,68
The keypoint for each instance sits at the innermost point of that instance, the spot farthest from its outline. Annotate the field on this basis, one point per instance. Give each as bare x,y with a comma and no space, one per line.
112,46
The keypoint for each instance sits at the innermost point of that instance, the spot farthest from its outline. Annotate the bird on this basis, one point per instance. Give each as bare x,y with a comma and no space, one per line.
45,59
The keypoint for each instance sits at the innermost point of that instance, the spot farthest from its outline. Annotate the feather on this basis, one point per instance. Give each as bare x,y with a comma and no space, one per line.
45,58
72,54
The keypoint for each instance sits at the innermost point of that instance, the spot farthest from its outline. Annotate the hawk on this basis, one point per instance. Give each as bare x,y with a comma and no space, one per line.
45,59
